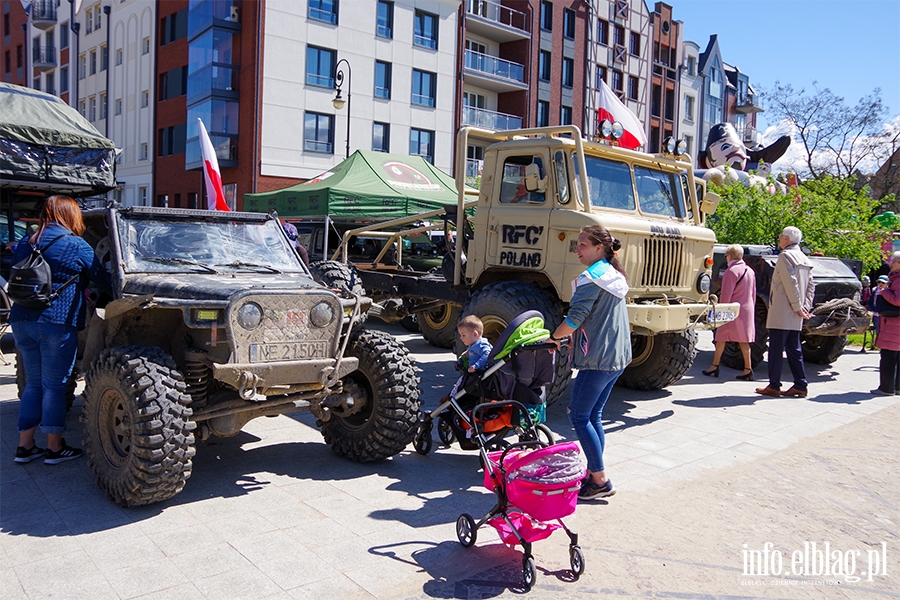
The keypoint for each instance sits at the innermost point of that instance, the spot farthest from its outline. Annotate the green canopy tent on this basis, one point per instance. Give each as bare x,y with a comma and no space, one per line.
367,186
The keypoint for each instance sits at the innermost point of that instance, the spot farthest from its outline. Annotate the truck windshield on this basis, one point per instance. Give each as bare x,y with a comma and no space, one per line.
609,183
153,245
659,193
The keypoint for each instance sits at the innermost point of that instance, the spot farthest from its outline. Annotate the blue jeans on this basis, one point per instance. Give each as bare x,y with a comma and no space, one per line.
47,351
589,396
781,341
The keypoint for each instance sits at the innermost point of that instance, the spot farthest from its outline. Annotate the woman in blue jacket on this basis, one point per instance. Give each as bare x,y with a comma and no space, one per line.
597,321
47,339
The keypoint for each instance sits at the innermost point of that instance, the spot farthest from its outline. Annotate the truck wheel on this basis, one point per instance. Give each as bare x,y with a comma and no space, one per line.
732,356
386,388
659,360
334,274
438,326
21,379
499,303
822,349
137,425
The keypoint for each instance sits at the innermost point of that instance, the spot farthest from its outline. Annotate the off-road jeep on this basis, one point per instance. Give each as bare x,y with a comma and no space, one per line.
214,321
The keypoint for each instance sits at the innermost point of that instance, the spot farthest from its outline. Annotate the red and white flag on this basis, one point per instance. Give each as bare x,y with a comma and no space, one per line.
613,109
215,197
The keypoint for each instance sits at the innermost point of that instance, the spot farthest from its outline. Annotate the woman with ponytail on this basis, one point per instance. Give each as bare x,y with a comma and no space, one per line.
597,322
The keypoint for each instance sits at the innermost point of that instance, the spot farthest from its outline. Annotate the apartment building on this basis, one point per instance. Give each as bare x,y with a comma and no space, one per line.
691,91
742,104
666,46
39,39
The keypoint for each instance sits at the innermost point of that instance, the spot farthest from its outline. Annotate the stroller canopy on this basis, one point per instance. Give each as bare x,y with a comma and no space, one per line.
527,328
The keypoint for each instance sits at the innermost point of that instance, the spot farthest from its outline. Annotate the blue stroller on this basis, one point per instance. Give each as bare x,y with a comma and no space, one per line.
519,368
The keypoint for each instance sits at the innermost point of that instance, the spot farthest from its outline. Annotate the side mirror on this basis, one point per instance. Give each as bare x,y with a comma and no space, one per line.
533,181
710,203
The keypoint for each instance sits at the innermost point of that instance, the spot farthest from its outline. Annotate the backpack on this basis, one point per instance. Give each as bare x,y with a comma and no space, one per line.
31,281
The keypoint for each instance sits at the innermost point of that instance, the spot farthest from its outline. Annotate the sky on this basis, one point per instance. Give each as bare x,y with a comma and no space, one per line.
848,46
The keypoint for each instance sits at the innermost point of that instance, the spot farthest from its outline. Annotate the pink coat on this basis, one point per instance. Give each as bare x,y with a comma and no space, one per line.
739,285
889,327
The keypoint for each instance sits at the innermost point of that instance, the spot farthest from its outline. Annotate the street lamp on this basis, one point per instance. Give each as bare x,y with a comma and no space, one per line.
338,101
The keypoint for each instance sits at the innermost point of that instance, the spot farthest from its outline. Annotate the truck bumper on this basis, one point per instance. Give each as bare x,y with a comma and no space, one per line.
308,374
650,319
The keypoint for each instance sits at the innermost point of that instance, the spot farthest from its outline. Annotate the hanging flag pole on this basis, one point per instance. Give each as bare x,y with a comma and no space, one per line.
609,107
215,197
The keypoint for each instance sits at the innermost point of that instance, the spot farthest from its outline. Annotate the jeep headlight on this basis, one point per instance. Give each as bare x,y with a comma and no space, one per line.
703,283
321,314
249,315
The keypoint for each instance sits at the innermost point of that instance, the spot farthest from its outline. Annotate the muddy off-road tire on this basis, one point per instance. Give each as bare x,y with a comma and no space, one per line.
499,303
386,384
137,425
21,379
732,356
334,274
659,360
822,349
438,326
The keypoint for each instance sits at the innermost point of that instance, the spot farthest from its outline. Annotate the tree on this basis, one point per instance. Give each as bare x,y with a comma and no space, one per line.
836,139
833,215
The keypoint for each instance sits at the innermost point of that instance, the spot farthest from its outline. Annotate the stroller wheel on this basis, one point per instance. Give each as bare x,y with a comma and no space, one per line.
576,559
529,571
465,530
422,442
445,431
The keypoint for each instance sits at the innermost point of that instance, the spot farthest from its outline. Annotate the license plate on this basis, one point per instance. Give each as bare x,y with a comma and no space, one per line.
288,351
721,316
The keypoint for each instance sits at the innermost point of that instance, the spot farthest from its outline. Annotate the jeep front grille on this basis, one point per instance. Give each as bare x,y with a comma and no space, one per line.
663,263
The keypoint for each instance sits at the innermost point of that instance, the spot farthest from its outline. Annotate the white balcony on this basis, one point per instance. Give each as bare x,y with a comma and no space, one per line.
495,21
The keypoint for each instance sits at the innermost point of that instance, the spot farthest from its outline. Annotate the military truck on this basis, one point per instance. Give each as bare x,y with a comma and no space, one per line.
214,321
516,252
836,310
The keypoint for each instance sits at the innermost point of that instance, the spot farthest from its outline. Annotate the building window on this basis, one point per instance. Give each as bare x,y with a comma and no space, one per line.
103,106
318,133
618,80
565,115
320,67
81,108
599,75
172,140
118,106
104,58
142,196
118,57
82,66
689,143
381,137
64,36
98,18
173,83
569,23
89,20
382,79
635,44
324,10
689,108
145,99
384,19
63,80
546,15
8,62
545,65
92,109
692,66
425,30
620,35
423,88
50,87
173,27
603,32
145,46
632,87
93,61
543,113
421,143
568,72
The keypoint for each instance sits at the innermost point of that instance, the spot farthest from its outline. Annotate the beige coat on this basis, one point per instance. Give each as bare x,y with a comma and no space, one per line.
792,288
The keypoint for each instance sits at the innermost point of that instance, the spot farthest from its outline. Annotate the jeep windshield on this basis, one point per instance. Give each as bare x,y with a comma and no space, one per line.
610,184
151,244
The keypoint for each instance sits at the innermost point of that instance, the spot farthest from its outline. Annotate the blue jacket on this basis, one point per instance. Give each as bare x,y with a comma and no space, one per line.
602,340
68,257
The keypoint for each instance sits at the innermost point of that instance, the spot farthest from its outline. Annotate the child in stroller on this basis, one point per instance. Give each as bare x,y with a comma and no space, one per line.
518,368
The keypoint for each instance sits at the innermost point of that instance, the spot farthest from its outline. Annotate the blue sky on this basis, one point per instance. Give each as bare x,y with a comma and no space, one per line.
848,46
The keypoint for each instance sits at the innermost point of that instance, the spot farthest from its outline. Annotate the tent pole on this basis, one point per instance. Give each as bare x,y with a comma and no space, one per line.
325,243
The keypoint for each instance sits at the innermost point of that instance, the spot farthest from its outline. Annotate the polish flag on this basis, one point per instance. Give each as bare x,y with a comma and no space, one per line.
215,197
611,108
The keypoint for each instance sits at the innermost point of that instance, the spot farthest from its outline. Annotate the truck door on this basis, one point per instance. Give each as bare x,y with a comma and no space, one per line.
518,224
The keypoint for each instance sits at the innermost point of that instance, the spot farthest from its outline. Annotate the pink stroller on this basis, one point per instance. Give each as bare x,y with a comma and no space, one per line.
534,483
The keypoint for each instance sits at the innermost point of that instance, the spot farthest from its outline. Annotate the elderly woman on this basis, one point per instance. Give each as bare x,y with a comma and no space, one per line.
738,285
888,339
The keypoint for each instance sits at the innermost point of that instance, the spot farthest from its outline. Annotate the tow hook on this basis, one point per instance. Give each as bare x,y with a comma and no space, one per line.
248,389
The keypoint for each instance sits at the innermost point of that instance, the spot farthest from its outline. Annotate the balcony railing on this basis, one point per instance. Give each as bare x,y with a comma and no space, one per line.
44,57
496,12
43,13
489,119
749,134
748,103
494,66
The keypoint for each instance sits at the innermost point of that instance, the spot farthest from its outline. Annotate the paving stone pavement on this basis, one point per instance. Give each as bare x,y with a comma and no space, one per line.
273,513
